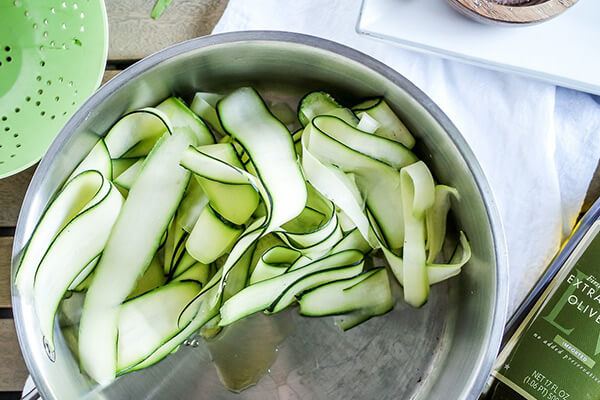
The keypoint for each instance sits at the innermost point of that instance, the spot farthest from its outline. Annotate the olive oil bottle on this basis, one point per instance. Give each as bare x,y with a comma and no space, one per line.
551,347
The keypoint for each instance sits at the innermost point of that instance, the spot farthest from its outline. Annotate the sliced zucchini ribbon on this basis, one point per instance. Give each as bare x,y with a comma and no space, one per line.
189,219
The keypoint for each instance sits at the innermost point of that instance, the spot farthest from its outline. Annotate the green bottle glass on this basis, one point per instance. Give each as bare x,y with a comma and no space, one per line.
551,349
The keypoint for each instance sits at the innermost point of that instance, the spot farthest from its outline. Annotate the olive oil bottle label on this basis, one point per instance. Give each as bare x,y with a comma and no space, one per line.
555,353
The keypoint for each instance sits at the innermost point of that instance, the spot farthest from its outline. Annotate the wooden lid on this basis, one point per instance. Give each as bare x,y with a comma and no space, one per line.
525,12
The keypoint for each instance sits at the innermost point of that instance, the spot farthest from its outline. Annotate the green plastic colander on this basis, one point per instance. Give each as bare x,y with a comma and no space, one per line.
52,56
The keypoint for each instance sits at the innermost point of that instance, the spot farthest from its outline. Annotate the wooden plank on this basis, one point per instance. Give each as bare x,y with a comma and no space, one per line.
13,372
12,191
493,11
108,75
134,35
5,252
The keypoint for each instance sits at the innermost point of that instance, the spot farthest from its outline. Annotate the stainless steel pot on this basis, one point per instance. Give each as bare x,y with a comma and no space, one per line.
444,350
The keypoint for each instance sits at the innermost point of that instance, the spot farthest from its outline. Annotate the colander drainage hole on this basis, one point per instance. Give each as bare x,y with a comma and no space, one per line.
4,118
42,63
7,48
17,109
18,145
27,98
6,129
8,59
40,91
16,135
43,113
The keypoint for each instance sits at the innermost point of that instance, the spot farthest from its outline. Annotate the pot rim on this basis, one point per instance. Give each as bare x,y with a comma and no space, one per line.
500,309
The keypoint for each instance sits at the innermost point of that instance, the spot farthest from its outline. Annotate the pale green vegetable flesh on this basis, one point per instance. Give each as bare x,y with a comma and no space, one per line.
384,150
159,8
192,204
204,105
288,296
438,272
183,261
82,281
238,275
315,103
135,237
127,177
201,310
262,295
366,292
274,262
211,237
181,117
367,123
152,279
119,165
72,200
417,196
209,233
141,129
246,118
98,159
198,272
148,321
379,181
374,291
235,202
314,231
435,219
390,126
87,232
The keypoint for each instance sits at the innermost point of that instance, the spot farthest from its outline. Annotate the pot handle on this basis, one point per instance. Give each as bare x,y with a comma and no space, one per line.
30,392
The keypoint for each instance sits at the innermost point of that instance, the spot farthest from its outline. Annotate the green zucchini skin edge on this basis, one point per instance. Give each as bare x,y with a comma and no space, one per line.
147,110
26,249
110,192
355,315
102,373
267,196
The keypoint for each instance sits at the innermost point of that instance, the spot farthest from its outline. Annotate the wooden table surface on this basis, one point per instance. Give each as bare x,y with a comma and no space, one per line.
128,22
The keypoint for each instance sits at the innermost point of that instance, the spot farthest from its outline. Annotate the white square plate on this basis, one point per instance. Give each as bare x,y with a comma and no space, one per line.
564,51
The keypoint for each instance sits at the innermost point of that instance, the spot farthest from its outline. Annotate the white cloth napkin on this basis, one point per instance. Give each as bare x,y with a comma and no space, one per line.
538,144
